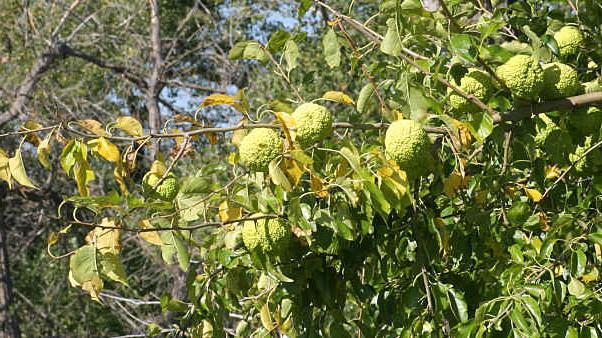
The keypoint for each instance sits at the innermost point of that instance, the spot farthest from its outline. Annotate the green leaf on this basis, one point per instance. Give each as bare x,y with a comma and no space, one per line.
277,41
463,46
533,308
332,49
391,43
248,50
578,263
83,265
278,176
576,288
291,54
111,267
174,246
363,97
481,126
458,304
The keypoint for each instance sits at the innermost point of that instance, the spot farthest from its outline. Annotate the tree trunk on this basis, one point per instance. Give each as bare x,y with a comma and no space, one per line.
9,327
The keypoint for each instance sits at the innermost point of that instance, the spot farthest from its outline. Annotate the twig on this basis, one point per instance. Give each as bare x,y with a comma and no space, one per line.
175,160
25,132
561,177
507,142
193,227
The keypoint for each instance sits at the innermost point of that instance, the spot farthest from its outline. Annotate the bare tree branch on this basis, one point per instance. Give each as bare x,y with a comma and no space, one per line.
154,85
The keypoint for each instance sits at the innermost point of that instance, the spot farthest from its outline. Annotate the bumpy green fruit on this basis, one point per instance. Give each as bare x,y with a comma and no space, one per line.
569,40
407,143
268,236
560,81
166,191
586,164
587,121
259,148
553,140
476,83
523,75
313,123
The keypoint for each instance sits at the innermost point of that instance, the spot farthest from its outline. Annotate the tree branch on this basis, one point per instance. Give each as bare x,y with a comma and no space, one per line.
152,92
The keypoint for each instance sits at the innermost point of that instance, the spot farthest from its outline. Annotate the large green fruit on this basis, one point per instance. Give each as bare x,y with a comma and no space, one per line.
267,236
569,40
523,75
259,148
312,122
555,141
166,191
476,83
560,81
408,145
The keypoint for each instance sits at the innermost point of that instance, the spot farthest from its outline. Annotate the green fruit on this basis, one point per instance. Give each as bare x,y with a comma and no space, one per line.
408,145
267,236
569,40
519,213
313,123
476,83
560,81
259,148
523,75
166,191
586,164
555,141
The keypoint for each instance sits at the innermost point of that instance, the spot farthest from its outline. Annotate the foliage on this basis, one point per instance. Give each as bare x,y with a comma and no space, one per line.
474,221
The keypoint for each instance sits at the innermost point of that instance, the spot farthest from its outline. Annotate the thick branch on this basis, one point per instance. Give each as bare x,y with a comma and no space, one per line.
548,106
152,92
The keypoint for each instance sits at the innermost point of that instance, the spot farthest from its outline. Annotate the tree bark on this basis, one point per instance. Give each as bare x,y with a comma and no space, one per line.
154,81
9,326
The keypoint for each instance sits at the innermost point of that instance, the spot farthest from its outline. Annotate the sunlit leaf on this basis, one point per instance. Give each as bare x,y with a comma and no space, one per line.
17,170
338,97
228,213
332,49
218,99
5,168
105,148
92,126
533,194
130,125
150,236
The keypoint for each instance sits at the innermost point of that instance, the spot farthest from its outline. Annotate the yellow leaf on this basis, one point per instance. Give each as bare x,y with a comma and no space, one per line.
32,138
533,194
130,125
465,136
150,236
266,317
119,173
452,184
338,97
53,238
591,276
217,99
93,287
92,126
107,240
227,213
5,169
17,170
552,171
385,171
292,170
317,186
105,148
287,121
44,151
237,136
